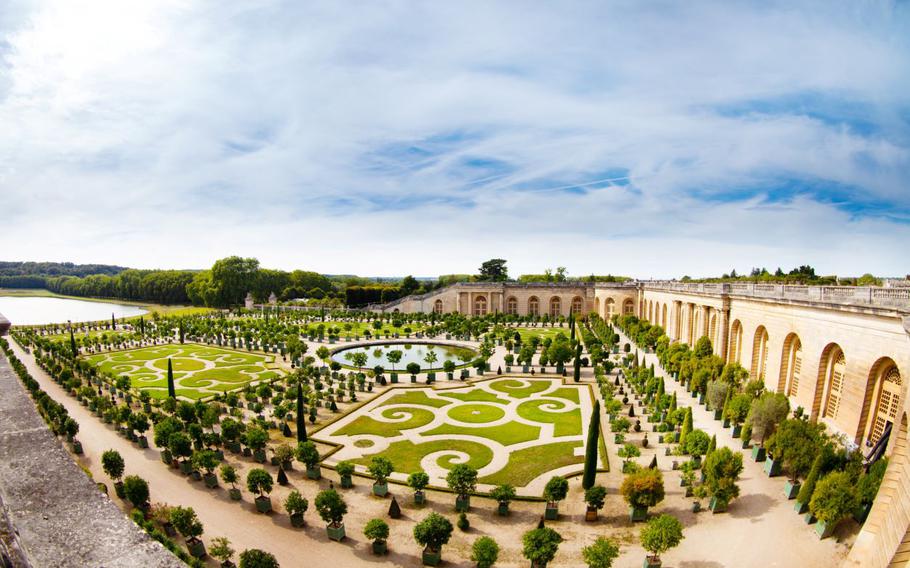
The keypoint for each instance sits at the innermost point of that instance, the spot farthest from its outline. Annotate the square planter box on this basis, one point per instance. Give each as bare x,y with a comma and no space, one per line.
651,562
758,454
736,431
234,493
211,480
590,515
502,510
380,489
861,512
717,415
809,518
380,547
800,507
420,497
297,520
717,506
772,467
196,548
413,378
313,473
791,490
551,513
259,456
638,514
335,533
824,530
166,457
142,442
462,504
431,557
347,482
186,467
264,504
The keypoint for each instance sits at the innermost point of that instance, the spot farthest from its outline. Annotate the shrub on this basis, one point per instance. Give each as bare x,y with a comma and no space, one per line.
308,454
255,558
595,496
661,534
186,522
643,488
503,493
485,552
221,549
376,530
259,481
344,468
722,469
112,464
601,553
433,531
331,507
540,545
834,497
418,480
463,522
136,490
296,504
556,489
380,468
462,479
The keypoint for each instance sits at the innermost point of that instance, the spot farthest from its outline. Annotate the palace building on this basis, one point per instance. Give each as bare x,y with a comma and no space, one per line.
841,353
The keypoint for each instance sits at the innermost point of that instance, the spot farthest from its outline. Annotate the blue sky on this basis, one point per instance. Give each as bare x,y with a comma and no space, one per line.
390,137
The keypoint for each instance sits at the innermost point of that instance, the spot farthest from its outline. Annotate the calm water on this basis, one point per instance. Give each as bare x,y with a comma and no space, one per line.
412,353
40,311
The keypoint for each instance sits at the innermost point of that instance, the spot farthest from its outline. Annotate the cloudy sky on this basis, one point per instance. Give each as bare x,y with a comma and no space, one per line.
389,137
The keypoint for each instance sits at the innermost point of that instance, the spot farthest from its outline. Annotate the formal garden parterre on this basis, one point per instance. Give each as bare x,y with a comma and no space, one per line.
513,430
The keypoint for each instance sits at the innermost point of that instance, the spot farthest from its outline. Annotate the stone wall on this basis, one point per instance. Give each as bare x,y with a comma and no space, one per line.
61,517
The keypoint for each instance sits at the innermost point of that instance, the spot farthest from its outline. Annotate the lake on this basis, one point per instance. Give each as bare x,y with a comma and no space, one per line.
40,311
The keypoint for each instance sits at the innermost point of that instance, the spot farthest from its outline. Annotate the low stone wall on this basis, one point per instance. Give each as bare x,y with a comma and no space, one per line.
60,516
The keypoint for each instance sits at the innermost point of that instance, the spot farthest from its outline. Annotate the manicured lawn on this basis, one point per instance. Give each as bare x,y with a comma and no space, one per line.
507,434
418,397
566,423
367,425
527,464
476,413
200,371
517,389
475,395
406,455
542,332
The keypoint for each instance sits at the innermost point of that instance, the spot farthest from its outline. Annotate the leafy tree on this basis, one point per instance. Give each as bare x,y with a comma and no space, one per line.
380,468
595,496
661,534
331,507
433,532
503,493
255,558
394,357
256,438
601,553
540,545
796,442
221,549
418,481
556,489
738,408
767,411
493,270
229,474
136,490
376,530
867,487
697,443
295,503
485,552
186,522
308,454
112,464
259,481
462,479
643,488
805,492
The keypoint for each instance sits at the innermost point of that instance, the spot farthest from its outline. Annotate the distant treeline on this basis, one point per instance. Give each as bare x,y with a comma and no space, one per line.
56,269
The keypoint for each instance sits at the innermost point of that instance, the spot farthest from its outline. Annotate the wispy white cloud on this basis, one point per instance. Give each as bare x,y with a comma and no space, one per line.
402,137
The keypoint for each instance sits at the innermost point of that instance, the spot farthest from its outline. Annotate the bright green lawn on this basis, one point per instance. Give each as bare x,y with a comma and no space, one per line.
406,456
516,389
476,413
506,434
566,423
527,464
366,425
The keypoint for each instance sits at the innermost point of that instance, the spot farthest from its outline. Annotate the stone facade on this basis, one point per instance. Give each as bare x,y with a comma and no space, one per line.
840,353
4,325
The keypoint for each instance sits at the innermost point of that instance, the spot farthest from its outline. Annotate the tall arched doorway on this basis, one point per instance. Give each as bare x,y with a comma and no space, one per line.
577,305
791,364
437,307
833,371
533,306
885,382
555,306
736,342
480,306
512,306
610,308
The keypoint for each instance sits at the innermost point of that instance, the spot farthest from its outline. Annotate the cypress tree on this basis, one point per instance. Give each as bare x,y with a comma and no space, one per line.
141,325
808,488
301,421
653,464
711,446
170,380
394,509
571,327
673,402
686,428
587,481
576,370
73,347
113,322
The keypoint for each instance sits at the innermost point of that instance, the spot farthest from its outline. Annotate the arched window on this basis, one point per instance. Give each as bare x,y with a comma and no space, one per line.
888,401
759,353
512,306
610,307
437,307
628,307
835,371
736,342
555,306
664,317
480,306
577,304
791,365
533,306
